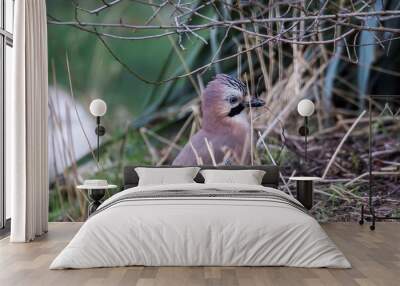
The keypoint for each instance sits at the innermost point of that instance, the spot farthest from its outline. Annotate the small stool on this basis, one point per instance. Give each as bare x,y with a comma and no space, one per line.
305,190
96,194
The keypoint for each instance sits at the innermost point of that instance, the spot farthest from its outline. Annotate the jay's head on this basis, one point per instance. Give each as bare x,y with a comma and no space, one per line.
226,97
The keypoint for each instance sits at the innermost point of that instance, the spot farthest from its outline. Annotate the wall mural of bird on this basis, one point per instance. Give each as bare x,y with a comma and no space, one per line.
225,125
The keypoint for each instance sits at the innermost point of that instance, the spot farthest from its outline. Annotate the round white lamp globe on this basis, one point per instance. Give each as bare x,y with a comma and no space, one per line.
98,107
305,107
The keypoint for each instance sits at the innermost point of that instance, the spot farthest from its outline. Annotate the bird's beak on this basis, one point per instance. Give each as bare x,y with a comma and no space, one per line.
255,102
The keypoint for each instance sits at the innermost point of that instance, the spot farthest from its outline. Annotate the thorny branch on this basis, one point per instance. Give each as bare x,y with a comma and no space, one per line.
311,22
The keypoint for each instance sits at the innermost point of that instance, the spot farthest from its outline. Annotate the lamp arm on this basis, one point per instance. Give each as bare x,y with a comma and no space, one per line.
98,138
100,131
305,139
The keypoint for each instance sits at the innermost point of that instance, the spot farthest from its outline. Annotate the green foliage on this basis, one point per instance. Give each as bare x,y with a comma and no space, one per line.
96,74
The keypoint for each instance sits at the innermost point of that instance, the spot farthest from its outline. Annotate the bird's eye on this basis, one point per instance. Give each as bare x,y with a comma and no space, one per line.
233,100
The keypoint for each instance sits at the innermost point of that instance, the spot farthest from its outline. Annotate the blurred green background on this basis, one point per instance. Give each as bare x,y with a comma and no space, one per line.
96,74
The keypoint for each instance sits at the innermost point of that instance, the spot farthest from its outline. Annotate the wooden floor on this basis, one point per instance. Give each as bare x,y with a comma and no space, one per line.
375,257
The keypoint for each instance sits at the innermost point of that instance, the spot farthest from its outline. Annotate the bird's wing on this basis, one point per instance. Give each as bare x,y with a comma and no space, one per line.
196,151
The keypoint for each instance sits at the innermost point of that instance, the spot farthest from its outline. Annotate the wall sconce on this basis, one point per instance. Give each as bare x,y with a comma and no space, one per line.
305,108
98,108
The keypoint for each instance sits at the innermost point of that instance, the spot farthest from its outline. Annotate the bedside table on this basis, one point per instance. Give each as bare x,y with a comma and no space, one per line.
96,194
305,190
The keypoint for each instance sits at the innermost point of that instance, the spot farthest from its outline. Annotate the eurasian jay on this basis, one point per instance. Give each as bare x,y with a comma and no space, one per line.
225,124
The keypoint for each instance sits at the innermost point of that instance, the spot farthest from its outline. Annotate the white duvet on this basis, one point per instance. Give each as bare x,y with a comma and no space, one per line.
202,231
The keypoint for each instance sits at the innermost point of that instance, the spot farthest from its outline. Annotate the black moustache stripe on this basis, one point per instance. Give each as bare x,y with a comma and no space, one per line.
236,110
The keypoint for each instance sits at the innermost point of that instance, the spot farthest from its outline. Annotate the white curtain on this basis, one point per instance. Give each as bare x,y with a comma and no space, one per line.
26,127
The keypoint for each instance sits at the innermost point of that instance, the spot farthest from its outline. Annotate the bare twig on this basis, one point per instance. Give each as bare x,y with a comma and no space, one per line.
77,114
210,151
341,144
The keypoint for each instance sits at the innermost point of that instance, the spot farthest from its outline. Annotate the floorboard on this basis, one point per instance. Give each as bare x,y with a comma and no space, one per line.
375,257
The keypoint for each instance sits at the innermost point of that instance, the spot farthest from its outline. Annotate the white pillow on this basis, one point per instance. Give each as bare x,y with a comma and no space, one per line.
247,177
163,176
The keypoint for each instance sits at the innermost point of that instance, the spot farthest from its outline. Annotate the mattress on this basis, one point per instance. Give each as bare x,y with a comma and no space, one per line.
201,225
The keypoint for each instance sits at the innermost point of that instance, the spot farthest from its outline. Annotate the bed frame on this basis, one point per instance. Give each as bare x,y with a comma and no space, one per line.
270,179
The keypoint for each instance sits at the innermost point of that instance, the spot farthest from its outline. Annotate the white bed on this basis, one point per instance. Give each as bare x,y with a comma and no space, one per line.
246,225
